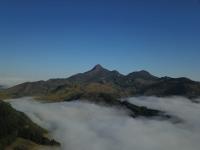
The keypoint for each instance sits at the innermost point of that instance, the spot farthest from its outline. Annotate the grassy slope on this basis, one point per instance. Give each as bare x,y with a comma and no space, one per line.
23,144
15,124
83,91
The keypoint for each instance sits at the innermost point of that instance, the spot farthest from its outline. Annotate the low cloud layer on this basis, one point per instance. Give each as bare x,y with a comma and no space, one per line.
85,126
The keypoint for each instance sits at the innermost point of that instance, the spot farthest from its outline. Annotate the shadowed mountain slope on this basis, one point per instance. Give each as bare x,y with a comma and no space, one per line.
173,86
15,124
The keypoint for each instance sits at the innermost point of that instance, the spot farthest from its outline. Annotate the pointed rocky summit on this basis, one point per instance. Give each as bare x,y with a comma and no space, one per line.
98,68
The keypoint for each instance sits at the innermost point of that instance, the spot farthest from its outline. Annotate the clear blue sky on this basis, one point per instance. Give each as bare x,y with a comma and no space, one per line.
40,39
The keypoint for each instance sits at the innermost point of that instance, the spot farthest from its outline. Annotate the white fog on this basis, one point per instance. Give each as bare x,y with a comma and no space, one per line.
85,126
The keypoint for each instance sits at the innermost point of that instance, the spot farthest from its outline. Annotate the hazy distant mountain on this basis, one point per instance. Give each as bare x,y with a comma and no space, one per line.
100,80
1,87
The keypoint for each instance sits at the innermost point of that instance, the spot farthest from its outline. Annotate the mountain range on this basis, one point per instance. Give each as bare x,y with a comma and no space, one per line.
101,80
98,85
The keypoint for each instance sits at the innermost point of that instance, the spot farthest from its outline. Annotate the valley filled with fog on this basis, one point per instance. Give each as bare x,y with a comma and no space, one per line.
84,126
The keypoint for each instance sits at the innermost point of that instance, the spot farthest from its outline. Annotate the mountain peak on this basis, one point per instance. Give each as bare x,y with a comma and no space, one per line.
97,67
142,74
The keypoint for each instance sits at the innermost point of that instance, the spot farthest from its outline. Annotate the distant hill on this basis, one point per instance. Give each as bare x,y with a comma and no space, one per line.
100,80
15,124
1,87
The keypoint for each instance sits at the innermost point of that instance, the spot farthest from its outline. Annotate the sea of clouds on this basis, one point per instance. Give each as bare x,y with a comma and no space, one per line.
86,126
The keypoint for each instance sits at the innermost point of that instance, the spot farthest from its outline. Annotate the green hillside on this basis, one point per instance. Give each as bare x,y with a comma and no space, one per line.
15,124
